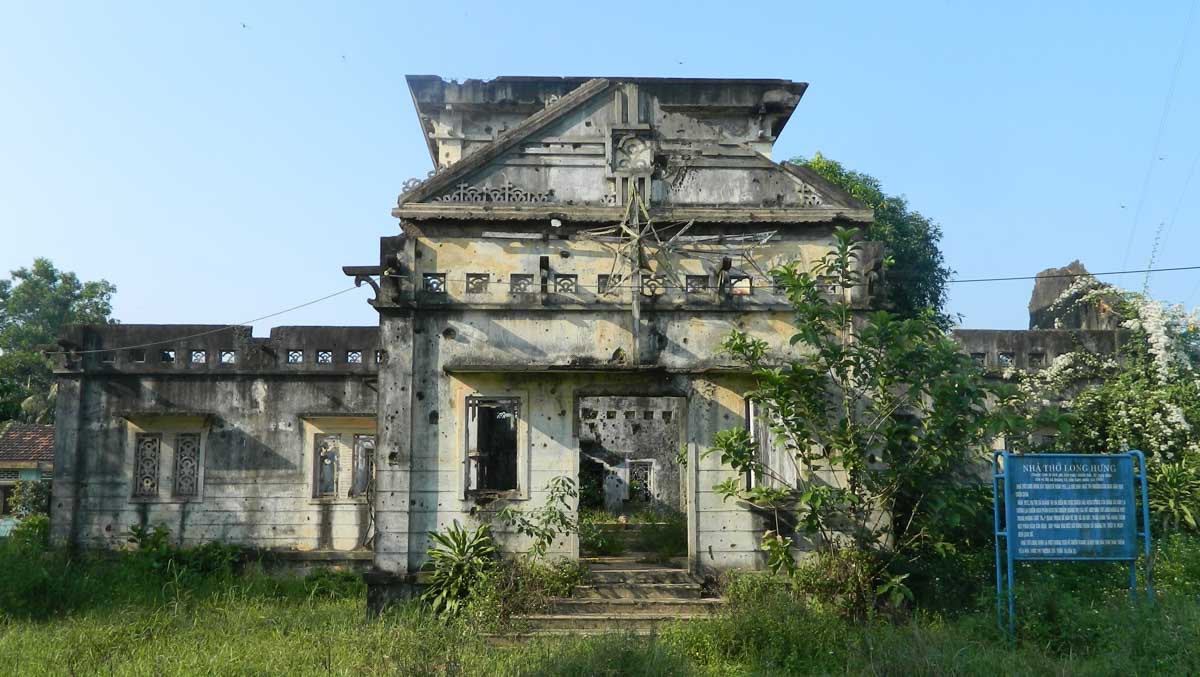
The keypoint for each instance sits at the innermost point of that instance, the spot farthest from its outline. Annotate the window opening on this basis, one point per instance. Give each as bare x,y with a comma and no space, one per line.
326,458
364,464
492,443
696,284
434,283
520,283
477,283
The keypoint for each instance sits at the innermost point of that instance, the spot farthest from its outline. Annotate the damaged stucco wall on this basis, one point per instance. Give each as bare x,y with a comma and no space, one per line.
553,350
255,414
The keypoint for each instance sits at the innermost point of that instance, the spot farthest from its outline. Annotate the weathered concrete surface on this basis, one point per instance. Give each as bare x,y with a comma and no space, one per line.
256,416
1054,303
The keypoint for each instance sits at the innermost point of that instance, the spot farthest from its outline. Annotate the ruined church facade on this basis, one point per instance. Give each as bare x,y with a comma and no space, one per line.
552,303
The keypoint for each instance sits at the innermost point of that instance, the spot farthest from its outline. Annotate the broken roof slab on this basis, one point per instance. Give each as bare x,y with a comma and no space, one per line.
576,149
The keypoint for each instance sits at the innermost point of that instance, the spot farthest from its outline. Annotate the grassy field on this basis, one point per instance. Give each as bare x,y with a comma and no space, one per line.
135,615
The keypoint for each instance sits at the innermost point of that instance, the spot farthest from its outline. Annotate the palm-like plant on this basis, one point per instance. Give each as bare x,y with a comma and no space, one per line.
459,559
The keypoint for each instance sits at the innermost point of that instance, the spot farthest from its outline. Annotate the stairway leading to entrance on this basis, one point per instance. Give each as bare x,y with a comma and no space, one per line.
624,594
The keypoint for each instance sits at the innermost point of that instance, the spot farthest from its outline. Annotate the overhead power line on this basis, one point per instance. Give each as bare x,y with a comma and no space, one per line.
277,313
213,331
1050,275
1162,123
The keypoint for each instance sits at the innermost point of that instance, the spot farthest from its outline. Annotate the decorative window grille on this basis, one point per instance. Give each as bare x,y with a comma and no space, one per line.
187,465
566,284
520,283
199,356
828,284
353,357
696,284
295,356
146,464
1037,360
1006,359
227,357
324,357
740,285
477,283
9,475
167,356
641,477
326,471
654,285
434,283
604,284
979,359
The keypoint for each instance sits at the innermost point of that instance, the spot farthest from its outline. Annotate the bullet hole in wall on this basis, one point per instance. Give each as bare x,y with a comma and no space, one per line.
449,333
420,395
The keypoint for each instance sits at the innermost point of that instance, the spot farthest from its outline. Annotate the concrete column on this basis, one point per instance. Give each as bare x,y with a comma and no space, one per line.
390,578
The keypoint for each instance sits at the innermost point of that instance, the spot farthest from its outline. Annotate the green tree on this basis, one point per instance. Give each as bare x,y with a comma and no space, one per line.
917,273
34,305
876,426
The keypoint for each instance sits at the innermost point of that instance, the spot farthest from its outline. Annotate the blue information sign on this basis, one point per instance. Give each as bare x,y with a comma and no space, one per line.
1068,507
1071,507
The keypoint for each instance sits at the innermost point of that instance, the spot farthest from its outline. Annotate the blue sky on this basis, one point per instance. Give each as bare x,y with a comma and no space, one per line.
218,161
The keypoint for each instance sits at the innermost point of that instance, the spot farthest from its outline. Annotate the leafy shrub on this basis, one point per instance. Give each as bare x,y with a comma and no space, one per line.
31,533
595,539
519,586
459,562
548,521
1175,494
331,584
664,539
30,497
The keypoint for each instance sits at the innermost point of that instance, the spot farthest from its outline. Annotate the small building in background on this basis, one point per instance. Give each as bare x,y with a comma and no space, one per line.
26,454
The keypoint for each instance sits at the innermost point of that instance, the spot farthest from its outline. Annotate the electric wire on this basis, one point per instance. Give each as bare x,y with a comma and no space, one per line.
1162,123
1166,234
277,313
210,331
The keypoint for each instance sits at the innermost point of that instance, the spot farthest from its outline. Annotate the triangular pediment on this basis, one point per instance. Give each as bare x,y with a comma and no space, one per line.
683,147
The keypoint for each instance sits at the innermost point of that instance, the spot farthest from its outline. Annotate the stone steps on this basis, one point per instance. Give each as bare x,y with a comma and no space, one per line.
623,595
612,622
638,591
634,607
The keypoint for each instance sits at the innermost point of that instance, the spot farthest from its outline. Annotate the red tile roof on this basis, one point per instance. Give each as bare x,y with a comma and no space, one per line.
27,442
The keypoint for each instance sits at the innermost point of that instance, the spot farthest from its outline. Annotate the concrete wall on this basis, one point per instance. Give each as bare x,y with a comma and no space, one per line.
553,350
257,415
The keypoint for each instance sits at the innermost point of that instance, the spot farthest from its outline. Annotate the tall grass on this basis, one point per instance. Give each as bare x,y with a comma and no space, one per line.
121,615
